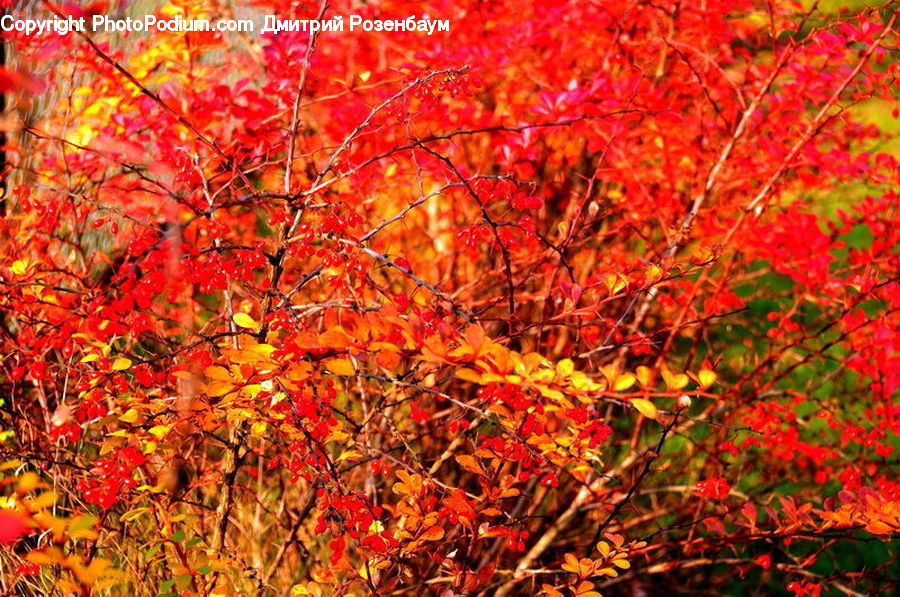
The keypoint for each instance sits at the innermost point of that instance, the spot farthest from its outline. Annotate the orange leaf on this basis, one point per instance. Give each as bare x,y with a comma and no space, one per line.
388,359
469,375
470,464
570,564
475,338
434,533
341,367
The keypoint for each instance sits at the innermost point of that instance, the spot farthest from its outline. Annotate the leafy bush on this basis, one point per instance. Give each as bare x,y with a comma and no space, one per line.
575,297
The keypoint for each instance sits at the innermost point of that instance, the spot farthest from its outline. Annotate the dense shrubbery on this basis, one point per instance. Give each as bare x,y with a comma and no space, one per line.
578,297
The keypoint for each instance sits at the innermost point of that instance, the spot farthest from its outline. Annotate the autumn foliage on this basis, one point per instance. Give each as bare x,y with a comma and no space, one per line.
578,298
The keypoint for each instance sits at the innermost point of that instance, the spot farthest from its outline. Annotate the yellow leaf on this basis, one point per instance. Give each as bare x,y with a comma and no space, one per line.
706,378
349,455
565,368
110,444
89,358
340,367
645,407
555,395
644,375
159,431
130,416
121,364
469,375
245,321
615,283
610,373
155,489
19,267
252,390
132,514
675,381
624,381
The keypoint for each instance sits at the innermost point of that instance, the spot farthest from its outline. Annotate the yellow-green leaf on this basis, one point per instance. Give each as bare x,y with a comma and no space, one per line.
645,407
245,321
644,374
130,416
706,377
19,267
349,455
159,431
132,514
624,381
675,381
121,364
565,368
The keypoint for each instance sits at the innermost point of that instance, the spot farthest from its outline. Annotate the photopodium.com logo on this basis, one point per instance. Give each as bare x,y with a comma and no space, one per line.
178,24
